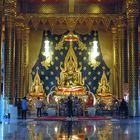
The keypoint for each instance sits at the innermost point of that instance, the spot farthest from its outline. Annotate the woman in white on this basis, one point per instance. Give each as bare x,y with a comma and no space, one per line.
38,107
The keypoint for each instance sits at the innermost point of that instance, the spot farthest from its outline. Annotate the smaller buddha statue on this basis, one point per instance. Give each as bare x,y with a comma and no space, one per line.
104,95
37,87
36,91
103,88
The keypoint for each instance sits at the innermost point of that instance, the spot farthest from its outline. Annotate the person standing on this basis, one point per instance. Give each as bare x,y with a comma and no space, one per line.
38,107
123,107
24,106
70,107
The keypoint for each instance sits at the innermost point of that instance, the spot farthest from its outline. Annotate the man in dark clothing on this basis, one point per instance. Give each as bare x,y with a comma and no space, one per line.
123,107
70,107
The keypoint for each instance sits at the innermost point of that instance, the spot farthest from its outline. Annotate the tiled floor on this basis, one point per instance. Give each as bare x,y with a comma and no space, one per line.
114,129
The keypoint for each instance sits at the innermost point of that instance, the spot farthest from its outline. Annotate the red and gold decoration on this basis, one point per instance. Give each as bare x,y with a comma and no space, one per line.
71,37
71,81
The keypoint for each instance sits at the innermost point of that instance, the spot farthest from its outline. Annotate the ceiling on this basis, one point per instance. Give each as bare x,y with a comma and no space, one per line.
76,1
70,6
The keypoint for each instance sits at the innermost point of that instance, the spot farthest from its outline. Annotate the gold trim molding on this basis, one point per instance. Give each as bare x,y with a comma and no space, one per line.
70,21
132,7
10,7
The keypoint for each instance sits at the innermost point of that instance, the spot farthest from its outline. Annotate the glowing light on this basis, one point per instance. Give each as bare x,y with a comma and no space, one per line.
85,100
85,129
47,52
56,99
93,55
94,52
95,9
56,129
50,9
75,137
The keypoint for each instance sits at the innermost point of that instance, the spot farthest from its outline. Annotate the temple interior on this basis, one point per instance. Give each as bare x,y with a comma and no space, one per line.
69,69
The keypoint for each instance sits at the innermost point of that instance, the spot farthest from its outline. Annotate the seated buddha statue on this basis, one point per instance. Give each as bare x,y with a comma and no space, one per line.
70,81
37,87
71,77
103,95
103,88
36,91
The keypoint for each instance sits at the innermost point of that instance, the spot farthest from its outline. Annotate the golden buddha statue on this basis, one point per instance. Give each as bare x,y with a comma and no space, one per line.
37,87
36,91
103,92
103,88
70,81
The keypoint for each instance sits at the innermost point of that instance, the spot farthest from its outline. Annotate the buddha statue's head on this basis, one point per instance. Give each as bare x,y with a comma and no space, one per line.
70,67
36,82
104,82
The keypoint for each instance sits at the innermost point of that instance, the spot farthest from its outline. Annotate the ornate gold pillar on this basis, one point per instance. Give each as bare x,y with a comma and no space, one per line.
121,45
132,42
26,60
1,12
9,50
19,57
115,63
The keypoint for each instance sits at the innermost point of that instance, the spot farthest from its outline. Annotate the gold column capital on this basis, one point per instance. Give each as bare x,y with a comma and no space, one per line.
27,28
114,30
121,22
10,7
20,21
132,8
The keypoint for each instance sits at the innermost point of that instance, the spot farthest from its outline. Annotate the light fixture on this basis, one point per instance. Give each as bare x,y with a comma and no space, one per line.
46,47
94,52
47,53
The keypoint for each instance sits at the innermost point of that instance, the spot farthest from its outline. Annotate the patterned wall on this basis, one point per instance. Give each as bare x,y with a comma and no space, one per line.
49,74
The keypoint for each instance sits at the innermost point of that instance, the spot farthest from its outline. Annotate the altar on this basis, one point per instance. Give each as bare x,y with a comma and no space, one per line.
71,83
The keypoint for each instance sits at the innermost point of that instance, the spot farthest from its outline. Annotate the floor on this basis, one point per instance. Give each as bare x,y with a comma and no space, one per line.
114,129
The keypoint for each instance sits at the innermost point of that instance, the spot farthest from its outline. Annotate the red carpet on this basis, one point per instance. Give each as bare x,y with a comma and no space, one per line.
54,118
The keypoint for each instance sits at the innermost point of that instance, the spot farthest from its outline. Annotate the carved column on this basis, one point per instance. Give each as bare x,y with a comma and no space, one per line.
132,37
115,63
26,59
121,46
1,12
9,50
19,57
